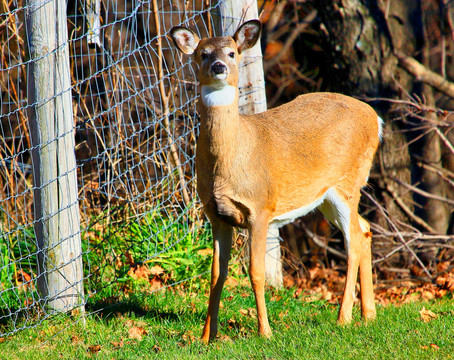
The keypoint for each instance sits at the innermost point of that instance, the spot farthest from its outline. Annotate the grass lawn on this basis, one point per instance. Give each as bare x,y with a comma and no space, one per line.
167,325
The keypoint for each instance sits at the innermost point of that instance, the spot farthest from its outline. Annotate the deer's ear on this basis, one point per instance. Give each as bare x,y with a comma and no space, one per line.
185,40
247,35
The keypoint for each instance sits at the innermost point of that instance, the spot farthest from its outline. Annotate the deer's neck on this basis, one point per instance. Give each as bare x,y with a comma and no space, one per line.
220,121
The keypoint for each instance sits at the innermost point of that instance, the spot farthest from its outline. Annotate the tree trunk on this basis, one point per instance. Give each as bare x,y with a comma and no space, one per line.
363,38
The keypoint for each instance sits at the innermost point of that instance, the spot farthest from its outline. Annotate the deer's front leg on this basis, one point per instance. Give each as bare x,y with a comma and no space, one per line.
222,243
257,234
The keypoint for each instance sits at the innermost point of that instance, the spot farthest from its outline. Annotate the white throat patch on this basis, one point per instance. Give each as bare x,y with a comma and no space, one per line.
216,96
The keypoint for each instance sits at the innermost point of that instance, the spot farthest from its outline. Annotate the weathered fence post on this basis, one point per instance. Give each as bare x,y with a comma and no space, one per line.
253,100
56,207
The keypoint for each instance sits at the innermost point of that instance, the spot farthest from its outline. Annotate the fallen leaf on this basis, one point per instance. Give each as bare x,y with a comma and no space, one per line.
129,259
289,281
156,270
225,338
136,332
283,313
155,283
314,272
427,315
327,295
411,298
140,272
25,276
251,312
188,337
432,346
428,295
94,349
416,270
298,292
74,339
449,285
205,252
156,348
117,344
443,266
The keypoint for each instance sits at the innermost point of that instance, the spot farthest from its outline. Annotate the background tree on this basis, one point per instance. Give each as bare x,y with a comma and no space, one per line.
396,56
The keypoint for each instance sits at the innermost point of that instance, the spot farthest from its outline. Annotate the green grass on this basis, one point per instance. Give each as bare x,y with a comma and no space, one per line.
173,321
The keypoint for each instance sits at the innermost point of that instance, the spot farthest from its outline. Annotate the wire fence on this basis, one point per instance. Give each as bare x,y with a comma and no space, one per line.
134,123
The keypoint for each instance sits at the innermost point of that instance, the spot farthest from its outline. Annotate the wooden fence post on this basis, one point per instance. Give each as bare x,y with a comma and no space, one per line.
253,100
56,206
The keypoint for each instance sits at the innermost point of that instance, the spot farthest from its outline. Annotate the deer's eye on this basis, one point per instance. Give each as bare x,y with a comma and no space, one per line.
204,56
232,54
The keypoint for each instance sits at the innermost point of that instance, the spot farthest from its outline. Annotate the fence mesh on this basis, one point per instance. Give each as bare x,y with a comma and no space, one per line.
135,126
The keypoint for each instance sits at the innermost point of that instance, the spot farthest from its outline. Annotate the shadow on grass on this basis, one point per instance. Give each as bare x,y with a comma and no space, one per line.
105,309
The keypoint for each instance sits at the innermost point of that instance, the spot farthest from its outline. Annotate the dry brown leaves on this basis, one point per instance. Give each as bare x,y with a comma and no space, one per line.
319,284
403,292
431,346
205,252
94,349
427,315
154,275
187,338
137,332
24,281
117,344
251,312
327,284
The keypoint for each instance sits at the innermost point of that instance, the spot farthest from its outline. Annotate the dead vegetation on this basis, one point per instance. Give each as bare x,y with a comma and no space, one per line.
334,46
135,127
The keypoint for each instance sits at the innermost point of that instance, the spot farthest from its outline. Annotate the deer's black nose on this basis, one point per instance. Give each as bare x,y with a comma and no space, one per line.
218,68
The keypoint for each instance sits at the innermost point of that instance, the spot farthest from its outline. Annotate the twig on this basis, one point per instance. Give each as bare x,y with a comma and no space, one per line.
318,241
290,40
445,174
165,104
276,15
395,250
420,236
399,236
417,105
423,193
407,211
445,140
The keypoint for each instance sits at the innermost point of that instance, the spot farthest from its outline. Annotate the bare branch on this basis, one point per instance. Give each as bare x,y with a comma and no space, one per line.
319,242
425,75
423,193
409,212
399,236
296,31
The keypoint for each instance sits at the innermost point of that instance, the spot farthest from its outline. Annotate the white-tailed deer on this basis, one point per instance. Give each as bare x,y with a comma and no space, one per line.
271,168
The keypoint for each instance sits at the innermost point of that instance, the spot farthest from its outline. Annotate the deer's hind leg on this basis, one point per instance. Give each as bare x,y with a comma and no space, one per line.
343,213
365,272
